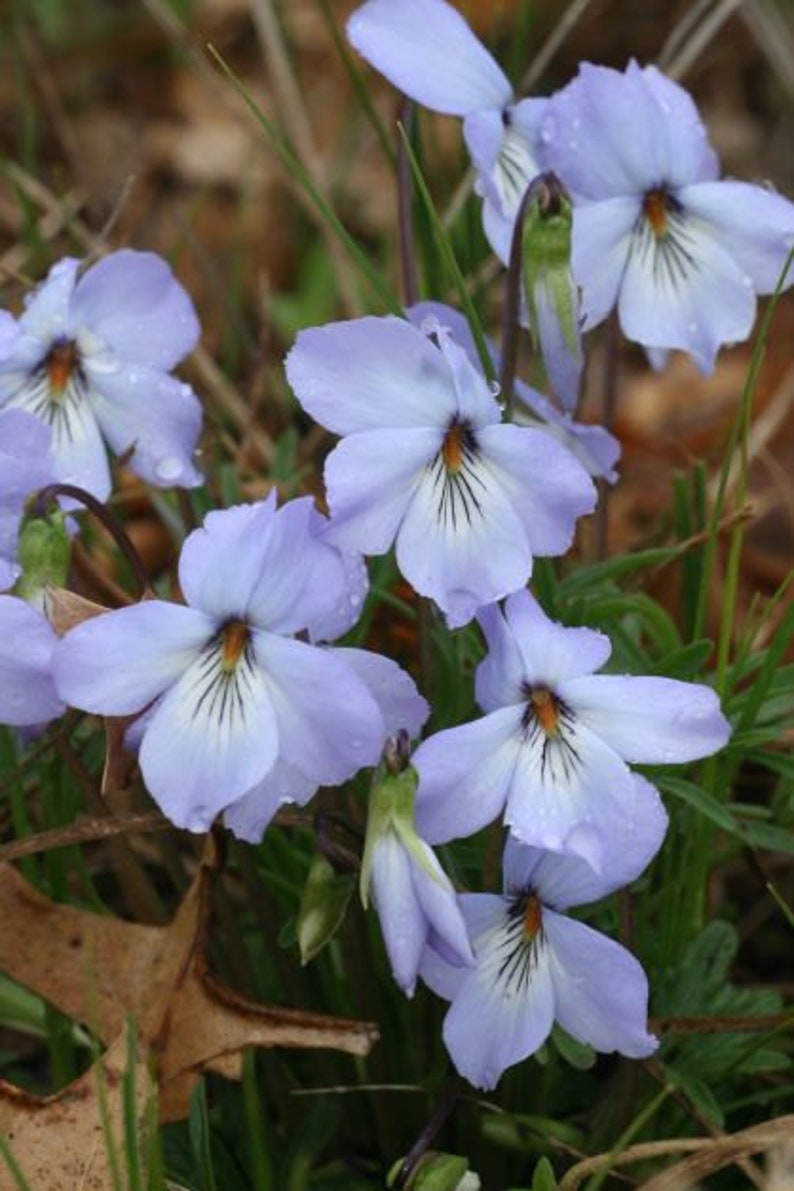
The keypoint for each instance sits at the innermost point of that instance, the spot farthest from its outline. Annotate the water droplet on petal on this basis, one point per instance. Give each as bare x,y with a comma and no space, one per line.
693,328
168,469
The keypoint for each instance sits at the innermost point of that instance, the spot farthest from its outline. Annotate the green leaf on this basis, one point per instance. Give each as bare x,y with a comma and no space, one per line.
326,896
577,1054
543,1179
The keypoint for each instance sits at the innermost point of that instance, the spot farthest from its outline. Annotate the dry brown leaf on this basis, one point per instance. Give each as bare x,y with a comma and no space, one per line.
61,1142
100,970
64,609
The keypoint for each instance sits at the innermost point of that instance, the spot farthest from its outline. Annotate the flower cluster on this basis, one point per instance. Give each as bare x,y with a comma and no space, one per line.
244,697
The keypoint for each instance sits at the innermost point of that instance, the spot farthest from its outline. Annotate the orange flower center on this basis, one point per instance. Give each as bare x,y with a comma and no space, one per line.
452,447
533,918
655,207
60,364
235,638
546,709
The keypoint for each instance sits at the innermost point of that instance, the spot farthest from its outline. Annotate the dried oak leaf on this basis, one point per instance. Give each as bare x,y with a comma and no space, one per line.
100,971
61,1142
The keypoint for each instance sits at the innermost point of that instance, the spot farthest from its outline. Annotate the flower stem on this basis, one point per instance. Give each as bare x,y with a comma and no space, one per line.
405,194
111,524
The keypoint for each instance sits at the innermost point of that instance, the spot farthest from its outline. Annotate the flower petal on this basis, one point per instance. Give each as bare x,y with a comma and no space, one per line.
595,448
212,738
426,49
601,240
402,920
371,479
222,561
563,879
329,726
548,497
47,314
371,374
600,990
249,817
499,1015
461,541
440,907
153,417
465,774
133,301
654,721
755,225
391,687
551,652
499,678
27,643
116,663
562,359
685,291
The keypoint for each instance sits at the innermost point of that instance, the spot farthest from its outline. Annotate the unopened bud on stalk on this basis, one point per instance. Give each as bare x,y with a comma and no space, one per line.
43,554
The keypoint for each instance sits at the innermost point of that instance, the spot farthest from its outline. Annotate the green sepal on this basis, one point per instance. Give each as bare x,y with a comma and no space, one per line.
324,901
391,807
546,260
437,1172
43,553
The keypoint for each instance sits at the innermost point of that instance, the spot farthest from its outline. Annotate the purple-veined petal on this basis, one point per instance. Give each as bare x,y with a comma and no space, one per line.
505,149
684,290
133,301
461,541
249,817
562,880
551,652
613,132
222,561
465,774
391,687
27,643
213,736
546,485
78,452
329,725
371,479
371,374
600,990
569,793
755,225
426,49
152,416
503,1010
649,720
601,240
402,921
475,401
116,663
47,314
439,904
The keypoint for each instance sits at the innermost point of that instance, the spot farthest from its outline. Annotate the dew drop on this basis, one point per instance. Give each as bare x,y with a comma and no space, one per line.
168,469
692,328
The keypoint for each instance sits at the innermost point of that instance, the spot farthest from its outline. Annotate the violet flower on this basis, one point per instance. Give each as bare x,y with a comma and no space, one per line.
426,49
237,699
554,747
534,965
596,449
425,463
92,359
681,254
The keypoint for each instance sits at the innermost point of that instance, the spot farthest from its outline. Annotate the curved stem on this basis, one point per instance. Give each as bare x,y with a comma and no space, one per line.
103,514
405,193
444,1107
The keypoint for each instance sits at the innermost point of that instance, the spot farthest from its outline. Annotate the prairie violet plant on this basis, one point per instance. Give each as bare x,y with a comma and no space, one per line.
236,696
27,643
554,747
534,965
656,234
92,359
26,463
426,49
426,463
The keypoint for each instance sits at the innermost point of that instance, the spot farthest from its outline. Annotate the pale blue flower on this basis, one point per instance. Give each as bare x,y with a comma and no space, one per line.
534,965
235,701
27,642
553,750
425,463
26,464
92,359
426,49
681,254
